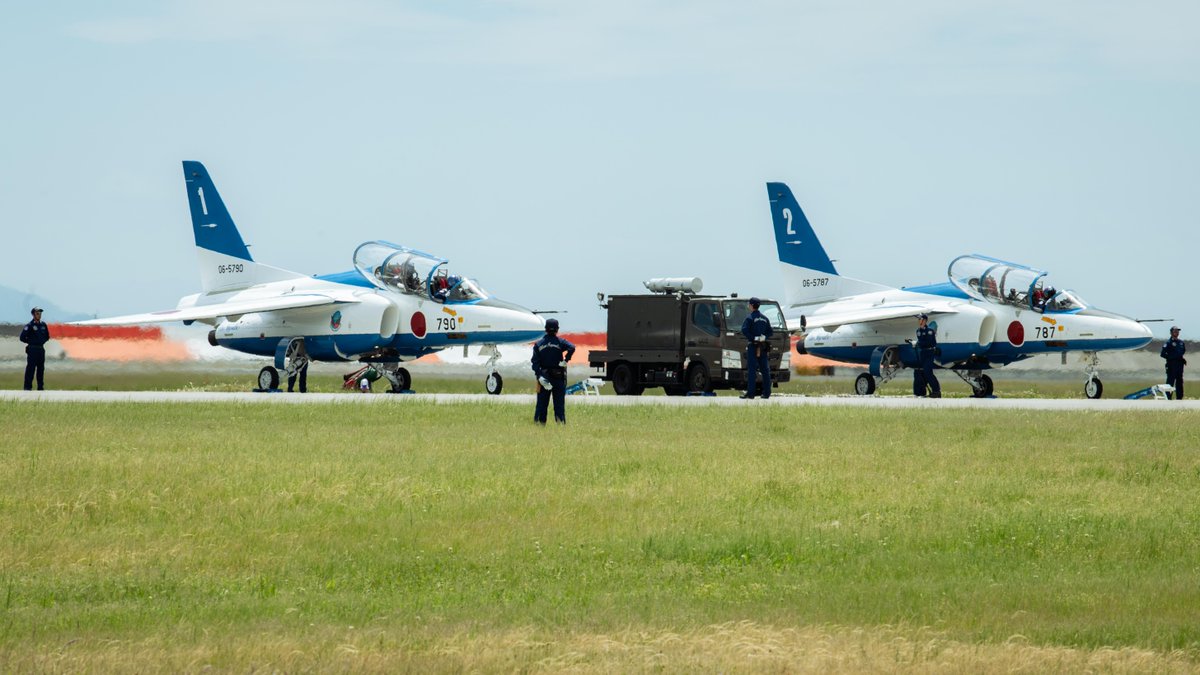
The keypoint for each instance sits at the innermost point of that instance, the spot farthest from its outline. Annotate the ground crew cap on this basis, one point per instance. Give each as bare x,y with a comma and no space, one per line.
923,316
755,301
1174,327
35,309
551,324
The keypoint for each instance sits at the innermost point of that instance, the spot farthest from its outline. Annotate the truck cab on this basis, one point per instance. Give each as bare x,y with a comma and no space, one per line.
683,342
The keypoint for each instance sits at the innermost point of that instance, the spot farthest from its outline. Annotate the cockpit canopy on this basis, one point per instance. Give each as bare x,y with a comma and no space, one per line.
1006,283
405,270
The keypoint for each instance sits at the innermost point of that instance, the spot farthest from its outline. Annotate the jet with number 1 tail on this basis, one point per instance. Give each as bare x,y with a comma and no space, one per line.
988,313
395,305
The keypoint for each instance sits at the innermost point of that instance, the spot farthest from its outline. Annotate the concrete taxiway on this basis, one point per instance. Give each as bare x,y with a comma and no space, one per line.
187,397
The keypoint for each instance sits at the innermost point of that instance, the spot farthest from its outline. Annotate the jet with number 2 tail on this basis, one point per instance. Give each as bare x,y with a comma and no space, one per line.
395,305
988,313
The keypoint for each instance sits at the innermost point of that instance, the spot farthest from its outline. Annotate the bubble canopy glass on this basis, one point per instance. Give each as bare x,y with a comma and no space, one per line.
1001,282
401,269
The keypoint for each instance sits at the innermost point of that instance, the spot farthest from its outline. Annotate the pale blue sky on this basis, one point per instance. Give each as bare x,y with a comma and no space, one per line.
556,149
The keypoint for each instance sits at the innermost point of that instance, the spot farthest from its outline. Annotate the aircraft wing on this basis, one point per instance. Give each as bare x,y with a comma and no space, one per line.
214,311
831,316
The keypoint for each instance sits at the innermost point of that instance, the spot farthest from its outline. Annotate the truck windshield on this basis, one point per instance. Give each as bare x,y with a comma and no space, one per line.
736,312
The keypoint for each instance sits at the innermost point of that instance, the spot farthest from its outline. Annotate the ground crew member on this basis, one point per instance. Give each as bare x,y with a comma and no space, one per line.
757,330
35,335
1172,351
550,356
926,351
302,373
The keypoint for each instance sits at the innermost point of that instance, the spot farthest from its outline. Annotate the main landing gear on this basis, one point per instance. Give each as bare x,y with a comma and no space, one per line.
981,384
294,356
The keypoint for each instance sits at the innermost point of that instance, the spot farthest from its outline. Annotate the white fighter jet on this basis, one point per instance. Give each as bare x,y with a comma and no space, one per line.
397,304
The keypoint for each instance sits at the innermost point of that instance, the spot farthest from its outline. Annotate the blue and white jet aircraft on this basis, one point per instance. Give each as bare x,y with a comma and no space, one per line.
397,304
990,313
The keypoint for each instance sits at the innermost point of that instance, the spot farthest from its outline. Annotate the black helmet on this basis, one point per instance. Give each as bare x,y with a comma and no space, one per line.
551,325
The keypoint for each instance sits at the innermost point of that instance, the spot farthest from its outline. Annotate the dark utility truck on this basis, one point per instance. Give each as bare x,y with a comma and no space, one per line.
683,342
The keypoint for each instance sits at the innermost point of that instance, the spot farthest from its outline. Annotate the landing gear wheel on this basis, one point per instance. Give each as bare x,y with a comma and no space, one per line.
985,388
404,378
624,383
493,383
1094,388
864,384
698,378
268,378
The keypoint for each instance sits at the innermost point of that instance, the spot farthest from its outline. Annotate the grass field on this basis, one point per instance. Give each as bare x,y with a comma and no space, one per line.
143,377
429,537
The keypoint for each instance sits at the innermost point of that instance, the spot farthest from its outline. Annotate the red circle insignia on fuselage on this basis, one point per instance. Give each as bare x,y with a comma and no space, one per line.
1016,334
418,324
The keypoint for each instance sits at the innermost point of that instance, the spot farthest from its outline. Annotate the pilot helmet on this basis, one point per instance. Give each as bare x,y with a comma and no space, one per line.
551,325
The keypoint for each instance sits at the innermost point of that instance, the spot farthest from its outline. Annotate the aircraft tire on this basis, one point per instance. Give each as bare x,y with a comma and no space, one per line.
864,384
268,378
985,387
493,383
405,380
1093,388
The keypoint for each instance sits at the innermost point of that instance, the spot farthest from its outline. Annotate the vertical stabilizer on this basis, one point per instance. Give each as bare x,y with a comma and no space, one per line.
225,262
809,275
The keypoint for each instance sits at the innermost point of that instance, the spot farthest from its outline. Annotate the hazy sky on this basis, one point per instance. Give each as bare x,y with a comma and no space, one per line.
556,149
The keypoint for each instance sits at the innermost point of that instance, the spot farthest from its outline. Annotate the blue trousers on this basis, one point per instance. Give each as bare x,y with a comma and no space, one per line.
35,363
923,377
758,361
303,375
559,394
1174,378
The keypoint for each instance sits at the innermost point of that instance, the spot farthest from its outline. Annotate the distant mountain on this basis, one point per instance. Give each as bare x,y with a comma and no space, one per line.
15,306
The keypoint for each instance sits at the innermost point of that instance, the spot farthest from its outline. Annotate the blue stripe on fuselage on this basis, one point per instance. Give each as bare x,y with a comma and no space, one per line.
944,289
998,353
349,278
322,347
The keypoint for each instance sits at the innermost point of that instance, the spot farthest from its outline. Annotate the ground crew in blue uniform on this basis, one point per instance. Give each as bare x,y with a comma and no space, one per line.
1173,350
550,357
302,373
35,335
757,329
926,351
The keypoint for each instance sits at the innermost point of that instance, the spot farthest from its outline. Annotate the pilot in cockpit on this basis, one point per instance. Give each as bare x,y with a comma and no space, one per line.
1049,301
441,286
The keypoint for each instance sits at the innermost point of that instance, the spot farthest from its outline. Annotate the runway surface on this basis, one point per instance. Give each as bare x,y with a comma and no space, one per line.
528,400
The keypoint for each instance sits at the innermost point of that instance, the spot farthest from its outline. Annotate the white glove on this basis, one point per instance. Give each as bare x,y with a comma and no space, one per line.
545,383
562,364
760,338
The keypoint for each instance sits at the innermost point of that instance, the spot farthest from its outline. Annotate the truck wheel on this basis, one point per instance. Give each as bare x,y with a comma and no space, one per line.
624,383
674,390
698,379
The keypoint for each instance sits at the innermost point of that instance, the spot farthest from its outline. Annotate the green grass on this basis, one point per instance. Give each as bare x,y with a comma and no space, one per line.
146,377
173,536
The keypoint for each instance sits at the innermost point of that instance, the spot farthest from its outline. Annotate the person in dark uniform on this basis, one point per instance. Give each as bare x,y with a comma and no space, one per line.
302,373
35,335
757,329
926,351
1173,350
550,356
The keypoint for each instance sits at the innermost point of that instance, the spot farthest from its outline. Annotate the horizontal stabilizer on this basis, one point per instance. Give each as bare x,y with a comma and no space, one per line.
219,310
